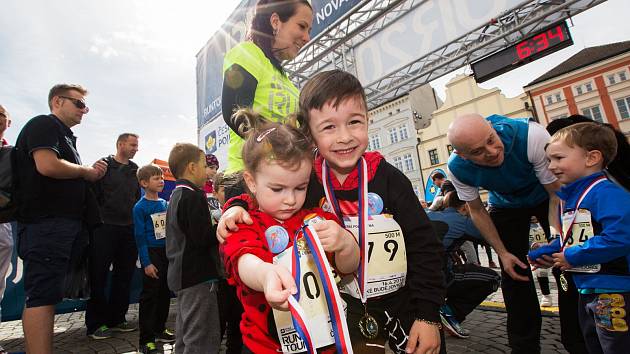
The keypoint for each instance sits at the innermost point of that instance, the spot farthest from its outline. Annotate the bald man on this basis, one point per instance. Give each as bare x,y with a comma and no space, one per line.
506,157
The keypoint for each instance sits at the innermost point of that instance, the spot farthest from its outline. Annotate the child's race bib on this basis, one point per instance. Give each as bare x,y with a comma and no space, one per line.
159,225
387,256
581,231
313,303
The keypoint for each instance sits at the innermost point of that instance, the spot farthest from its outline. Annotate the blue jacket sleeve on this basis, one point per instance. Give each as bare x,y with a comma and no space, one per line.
611,209
139,225
546,250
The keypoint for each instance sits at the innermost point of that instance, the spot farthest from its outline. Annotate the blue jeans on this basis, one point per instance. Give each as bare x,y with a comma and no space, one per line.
604,322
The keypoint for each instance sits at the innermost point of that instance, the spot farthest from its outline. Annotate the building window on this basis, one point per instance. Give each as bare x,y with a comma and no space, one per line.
393,135
589,87
408,162
404,135
558,97
549,100
433,157
398,163
594,113
622,76
611,80
450,149
578,90
623,105
375,142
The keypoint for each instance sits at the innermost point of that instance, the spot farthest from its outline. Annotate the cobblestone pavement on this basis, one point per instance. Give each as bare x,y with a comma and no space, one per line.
487,326
487,335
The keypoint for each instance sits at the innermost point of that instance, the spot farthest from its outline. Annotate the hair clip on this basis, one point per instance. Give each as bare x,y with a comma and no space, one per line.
264,134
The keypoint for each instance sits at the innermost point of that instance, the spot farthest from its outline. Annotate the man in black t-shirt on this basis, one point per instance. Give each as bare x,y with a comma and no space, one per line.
50,190
113,243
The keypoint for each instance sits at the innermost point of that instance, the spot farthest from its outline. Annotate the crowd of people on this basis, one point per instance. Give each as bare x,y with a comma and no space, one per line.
307,241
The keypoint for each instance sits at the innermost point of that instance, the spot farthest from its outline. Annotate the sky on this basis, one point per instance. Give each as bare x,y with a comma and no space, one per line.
137,59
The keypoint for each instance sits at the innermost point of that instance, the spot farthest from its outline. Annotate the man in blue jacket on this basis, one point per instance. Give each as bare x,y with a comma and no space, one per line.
506,157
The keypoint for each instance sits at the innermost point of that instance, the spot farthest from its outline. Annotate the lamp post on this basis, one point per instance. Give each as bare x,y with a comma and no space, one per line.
417,122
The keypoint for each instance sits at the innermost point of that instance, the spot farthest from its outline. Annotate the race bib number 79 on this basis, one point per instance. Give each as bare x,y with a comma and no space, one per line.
387,256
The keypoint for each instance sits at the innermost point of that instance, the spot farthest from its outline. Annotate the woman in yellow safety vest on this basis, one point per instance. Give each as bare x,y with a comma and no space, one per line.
253,73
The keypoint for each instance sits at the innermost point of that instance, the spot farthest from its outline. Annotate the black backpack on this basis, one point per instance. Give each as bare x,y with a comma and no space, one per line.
7,203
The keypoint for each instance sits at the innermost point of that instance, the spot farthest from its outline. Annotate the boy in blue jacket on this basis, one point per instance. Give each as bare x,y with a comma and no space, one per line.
149,219
595,241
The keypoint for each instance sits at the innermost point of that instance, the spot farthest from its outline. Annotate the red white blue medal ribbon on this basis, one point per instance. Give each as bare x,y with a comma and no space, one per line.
363,217
565,237
331,293
298,316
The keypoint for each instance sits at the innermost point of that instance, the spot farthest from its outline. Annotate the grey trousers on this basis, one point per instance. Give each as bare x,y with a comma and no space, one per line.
197,328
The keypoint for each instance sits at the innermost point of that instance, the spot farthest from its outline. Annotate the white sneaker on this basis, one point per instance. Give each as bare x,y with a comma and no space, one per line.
546,301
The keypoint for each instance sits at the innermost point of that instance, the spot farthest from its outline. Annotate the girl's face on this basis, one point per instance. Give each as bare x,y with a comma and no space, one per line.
292,35
341,134
280,191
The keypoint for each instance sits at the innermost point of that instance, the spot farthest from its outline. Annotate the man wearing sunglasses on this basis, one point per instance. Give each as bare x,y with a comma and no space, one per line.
50,191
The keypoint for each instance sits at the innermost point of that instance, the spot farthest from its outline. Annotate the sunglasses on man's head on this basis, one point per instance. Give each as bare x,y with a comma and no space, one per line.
77,102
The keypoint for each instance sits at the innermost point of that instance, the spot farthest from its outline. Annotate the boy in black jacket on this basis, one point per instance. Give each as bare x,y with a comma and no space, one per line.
192,272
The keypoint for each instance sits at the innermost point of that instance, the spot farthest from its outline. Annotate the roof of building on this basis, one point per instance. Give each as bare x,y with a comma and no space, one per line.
585,57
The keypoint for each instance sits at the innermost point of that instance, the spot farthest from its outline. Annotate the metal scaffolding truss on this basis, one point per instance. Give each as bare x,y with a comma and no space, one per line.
506,30
334,47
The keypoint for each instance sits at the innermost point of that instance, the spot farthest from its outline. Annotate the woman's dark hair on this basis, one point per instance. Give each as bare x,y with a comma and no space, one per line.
619,167
260,29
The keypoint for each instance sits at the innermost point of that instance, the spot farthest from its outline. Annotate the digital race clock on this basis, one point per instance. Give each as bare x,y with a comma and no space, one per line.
538,45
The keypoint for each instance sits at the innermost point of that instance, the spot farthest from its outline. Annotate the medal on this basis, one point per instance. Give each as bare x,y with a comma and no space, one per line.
312,219
368,326
277,238
564,284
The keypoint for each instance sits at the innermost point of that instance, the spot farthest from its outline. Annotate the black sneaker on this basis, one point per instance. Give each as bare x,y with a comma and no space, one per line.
101,333
123,327
165,337
149,348
453,326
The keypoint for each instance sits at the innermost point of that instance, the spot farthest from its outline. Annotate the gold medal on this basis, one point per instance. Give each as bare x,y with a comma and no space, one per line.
368,326
564,284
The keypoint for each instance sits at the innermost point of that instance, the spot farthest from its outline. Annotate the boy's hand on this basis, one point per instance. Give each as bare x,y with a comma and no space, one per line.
229,219
278,285
332,236
560,262
151,272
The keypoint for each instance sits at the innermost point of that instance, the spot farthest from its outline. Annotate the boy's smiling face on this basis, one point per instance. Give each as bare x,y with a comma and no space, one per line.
341,134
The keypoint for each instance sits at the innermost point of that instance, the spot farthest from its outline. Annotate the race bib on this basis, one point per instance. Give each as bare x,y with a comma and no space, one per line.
387,256
159,225
581,231
537,234
313,303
